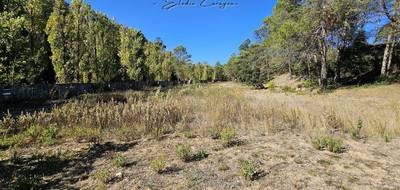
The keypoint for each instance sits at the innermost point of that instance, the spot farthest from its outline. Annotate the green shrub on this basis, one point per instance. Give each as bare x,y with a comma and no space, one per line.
159,164
188,134
329,143
120,160
271,86
387,137
356,133
248,169
288,89
229,137
201,154
103,175
50,135
214,133
184,152
223,167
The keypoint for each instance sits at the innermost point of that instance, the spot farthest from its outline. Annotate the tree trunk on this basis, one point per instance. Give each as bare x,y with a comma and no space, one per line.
390,57
324,66
387,55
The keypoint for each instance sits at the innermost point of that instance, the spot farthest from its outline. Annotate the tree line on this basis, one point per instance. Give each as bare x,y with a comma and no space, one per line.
324,41
47,41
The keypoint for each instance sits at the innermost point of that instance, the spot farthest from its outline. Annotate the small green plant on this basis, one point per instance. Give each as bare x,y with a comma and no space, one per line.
223,167
189,134
103,175
214,133
184,152
120,160
387,137
356,133
50,135
201,154
248,169
159,164
328,143
271,86
229,137
288,89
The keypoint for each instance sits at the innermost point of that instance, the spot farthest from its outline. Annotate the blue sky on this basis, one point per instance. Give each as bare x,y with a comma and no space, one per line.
210,34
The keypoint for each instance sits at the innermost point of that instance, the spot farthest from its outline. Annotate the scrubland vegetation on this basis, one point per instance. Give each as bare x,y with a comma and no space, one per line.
223,135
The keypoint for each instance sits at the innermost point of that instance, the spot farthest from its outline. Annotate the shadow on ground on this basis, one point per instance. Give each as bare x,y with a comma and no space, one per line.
54,171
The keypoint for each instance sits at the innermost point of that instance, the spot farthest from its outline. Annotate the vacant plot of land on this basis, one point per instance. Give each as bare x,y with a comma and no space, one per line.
219,136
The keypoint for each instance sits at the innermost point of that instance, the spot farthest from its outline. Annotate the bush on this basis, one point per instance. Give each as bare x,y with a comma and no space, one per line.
329,143
189,134
248,169
120,160
103,176
184,152
50,135
271,85
214,133
288,89
201,154
159,165
356,133
229,137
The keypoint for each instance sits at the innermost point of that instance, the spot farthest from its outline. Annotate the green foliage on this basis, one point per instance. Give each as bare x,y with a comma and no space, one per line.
201,154
328,143
229,137
103,175
288,89
131,51
356,133
271,85
184,152
248,169
120,160
159,164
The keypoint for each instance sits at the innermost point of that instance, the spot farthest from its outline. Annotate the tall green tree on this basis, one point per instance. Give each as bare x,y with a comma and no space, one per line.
131,52
58,31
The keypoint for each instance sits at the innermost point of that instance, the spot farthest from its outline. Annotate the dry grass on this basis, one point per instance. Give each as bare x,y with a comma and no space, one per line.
132,115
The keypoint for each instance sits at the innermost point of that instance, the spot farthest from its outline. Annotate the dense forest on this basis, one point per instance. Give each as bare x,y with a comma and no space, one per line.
327,42
48,41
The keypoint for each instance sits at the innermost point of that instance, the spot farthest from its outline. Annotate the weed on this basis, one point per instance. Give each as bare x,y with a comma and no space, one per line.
229,137
248,169
387,137
159,164
223,167
120,160
50,135
214,133
201,154
288,89
356,133
328,143
189,134
103,175
184,152
271,86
